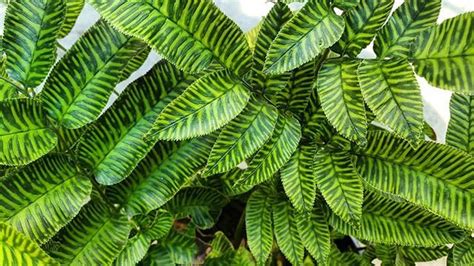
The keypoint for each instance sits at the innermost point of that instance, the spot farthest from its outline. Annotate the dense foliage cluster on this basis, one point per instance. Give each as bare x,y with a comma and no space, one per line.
236,149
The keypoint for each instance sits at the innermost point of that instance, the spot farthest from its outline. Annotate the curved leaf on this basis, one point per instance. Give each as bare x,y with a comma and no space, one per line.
42,197
461,125
463,253
73,9
80,84
189,33
314,28
341,98
297,177
396,223
95,236
315,235
29,41
361,25
24,135
447,64
338,258
243,136
258,225
205,106
134,251
160,226
437,177
422,254
7,88
406,23
340,185
275,153
158,256
286,233
346,4
392,93
16,249
114,145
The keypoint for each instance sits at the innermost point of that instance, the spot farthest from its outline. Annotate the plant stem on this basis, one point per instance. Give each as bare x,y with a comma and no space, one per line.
239,229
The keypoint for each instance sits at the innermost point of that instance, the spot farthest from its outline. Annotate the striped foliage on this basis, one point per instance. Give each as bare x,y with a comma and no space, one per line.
29,41
419,254
206,105
463,253
394,222
275,153
295,96
162,174
159,226
340,185
346,4
436,177
461,125
258,225
134,251
297,177
177,248
270,26
338,258
314,28
158,256
73,9
361,25
68,138
95,237
341,98
80,84
114,145
251,37
7,88
315,235
286,232
243,136
406,23
447,65
16,249
42,197
189,33
391,91
24,133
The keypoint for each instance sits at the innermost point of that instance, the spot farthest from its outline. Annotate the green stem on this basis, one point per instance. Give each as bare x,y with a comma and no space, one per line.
239,229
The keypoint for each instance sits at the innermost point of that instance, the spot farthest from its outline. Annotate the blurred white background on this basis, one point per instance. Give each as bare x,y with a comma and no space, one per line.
247,14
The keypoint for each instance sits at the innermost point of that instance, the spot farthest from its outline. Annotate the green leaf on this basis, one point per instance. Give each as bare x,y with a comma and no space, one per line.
134,251
29,41
73,9
463,253
68,139
297,177
338,258
315,235
461,125
181,247
418,254
205,106
95,236
42,197
275,153
8,88
80,84
220,245
189,33
346,4
160,226
434,176
447,64
391,91
397,223
361,25
340,185
258,225
314,28
286,232
341,98
115,145
406,23
16,249
162,174
270,26
242,137
24,134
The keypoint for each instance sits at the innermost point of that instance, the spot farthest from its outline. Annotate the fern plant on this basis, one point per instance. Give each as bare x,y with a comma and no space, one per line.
281,145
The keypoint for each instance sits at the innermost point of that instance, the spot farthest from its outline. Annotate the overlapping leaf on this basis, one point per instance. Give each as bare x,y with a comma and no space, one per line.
115,144
29,41
314,28
406,23
134,251
243,136
73,9
315,235
392,93
447,64
24,134
461,125
361,25
189,33
341,98
286,232
463,253
206,105
80,84
437,177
